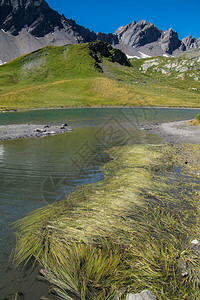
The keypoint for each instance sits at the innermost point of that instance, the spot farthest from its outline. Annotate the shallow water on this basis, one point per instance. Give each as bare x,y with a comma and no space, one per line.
38,171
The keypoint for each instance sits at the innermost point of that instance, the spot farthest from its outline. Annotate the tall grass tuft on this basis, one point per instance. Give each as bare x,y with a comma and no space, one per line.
129,232
82,271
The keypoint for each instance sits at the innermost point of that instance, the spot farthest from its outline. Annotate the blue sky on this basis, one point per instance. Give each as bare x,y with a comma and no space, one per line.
106,16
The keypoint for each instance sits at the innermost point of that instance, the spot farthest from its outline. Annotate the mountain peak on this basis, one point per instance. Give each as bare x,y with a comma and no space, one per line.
27,25
190,42
138,34
170,41
36,15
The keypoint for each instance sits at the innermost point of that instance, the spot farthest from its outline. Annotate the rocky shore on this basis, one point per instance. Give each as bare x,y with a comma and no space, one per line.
180,132
16,131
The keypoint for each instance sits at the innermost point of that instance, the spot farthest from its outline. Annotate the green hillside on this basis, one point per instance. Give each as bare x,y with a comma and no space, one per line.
183,72
95,74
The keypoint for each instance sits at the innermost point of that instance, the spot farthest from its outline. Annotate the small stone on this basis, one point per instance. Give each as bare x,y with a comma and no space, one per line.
39,130
195,242
184,274
145,295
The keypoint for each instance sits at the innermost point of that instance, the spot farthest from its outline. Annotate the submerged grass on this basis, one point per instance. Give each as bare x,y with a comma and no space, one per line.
129,232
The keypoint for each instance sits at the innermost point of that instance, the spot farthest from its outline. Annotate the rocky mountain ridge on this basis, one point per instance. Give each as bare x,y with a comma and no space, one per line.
27,25
146,38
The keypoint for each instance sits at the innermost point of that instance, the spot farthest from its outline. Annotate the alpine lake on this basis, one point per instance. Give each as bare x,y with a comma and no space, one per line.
36,172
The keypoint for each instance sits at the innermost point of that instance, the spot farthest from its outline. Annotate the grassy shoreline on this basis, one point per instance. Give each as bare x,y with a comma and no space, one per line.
103,106
129,232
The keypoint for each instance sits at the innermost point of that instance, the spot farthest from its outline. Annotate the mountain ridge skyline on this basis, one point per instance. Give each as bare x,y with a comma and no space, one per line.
27,25
183,19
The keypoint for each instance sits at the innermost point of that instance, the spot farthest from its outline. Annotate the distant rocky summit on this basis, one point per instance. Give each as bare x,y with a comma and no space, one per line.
27,25
144,39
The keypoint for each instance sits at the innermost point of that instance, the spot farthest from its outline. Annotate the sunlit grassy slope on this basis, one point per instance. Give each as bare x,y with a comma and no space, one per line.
69,76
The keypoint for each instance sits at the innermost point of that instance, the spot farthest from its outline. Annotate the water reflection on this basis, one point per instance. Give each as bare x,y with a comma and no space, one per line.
37,172
2,150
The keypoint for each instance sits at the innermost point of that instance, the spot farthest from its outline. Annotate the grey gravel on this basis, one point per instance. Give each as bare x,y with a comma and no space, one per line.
179,132
16,131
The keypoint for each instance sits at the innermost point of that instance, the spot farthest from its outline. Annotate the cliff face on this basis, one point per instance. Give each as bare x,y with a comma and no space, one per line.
138,34
27,25
170,41
191,43
145,37
36,15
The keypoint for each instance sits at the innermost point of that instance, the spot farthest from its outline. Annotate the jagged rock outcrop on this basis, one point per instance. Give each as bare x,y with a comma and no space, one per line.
146,38
40,19
81,33
108,38
37,16
138,34
27,25
170,41
190,43
101,49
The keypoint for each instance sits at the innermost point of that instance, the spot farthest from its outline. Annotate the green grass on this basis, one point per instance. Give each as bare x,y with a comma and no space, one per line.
198,117
68,76
127,233
196,121
169,72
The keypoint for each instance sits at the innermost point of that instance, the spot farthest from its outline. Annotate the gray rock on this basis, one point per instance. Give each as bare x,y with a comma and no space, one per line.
146,38
196,246
39,130
138,34
37,16
27,25
190,43
148,64
108,38
100,49
145,295
170,41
